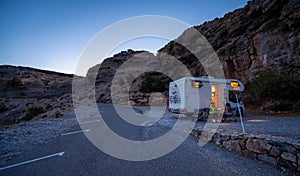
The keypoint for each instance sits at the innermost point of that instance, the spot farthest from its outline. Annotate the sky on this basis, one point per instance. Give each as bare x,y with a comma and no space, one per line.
52,34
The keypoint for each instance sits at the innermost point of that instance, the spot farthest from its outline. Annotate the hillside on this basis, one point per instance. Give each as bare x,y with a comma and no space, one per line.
28,91
24,82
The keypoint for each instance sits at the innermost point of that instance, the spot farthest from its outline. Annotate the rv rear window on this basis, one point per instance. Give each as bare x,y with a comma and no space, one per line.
197,84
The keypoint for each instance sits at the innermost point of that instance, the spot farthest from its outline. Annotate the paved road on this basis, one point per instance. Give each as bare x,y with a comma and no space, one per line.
285,126
80,157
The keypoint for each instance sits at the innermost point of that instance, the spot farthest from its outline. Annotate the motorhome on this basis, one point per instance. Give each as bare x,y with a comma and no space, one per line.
191,95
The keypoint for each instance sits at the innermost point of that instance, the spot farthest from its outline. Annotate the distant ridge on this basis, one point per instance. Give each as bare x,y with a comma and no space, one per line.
36,69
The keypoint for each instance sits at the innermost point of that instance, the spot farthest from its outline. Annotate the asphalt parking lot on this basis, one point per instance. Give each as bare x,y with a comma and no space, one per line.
284,126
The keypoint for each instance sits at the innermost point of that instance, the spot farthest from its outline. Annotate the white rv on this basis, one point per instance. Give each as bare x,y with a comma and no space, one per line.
189,95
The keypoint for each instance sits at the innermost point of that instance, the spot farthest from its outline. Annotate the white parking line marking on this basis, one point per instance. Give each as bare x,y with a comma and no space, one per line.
148,123
90,122
34,160
75,132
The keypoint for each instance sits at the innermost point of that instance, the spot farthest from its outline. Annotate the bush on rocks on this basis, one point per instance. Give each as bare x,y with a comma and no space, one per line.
152,84
268,84
33,112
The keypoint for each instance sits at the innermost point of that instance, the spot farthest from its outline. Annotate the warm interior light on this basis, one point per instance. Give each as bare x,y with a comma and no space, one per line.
234,84
213,88
196,84
258,121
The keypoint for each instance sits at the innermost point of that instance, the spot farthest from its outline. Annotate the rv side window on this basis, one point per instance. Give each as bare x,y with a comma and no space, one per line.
197,84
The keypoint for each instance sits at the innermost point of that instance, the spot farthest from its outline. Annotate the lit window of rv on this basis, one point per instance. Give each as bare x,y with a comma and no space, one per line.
197,84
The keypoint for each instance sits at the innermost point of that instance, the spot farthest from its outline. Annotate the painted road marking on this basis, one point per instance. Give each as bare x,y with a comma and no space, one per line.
90,122
149,123
34,160
75,132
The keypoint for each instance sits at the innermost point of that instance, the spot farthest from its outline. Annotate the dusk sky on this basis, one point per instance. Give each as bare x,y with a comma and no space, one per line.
51,34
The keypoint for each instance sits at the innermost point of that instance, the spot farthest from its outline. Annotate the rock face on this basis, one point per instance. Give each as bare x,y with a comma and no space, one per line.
106,72
262,35
23,88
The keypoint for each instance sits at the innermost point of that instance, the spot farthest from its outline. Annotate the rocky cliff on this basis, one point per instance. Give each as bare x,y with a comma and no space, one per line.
262,35
107,70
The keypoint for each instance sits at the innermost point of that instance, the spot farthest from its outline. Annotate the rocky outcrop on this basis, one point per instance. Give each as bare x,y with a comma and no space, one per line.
106,72
22,89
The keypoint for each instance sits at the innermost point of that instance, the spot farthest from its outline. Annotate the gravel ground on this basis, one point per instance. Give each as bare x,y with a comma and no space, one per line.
24,136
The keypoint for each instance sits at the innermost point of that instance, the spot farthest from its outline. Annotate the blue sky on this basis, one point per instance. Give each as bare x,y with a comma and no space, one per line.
51,34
